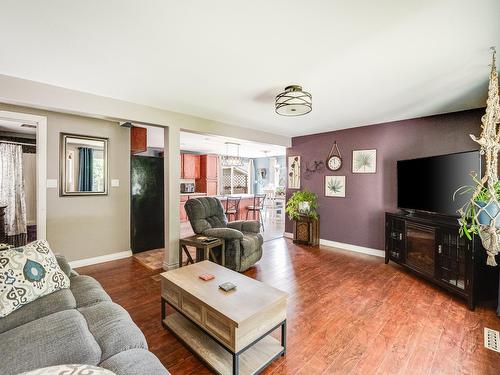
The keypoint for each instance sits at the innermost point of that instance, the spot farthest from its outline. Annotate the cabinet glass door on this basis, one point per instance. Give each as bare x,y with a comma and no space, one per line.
452,258
420,247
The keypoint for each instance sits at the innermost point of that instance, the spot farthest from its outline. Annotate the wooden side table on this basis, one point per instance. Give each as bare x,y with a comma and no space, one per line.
203,249
306,231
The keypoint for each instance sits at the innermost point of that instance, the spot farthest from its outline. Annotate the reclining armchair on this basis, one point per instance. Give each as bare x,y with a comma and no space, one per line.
242,238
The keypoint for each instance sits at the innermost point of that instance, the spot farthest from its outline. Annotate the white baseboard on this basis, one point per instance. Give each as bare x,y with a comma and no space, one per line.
169,267
100,259
355,248
346,246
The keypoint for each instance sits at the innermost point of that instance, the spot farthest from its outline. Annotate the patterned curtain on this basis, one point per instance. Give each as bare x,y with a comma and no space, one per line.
12,192
85,169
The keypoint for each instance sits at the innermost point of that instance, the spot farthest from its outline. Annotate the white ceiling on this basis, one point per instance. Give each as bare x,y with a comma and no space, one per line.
363,61
213,144
13,126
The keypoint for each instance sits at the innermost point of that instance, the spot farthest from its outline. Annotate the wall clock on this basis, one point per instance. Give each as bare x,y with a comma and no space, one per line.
334,159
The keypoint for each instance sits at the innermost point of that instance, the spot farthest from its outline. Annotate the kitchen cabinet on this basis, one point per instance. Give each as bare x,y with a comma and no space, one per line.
209,175
190,166
138,140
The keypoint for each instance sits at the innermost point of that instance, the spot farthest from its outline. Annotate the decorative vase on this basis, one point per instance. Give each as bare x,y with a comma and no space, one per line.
488,213
304,208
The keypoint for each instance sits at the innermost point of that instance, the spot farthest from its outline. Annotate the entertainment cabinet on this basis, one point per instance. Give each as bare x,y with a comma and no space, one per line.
430,246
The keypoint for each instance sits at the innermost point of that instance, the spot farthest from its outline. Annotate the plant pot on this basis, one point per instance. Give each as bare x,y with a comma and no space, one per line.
489,211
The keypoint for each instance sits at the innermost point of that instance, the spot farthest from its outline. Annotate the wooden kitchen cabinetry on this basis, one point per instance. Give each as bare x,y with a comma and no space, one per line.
190,166
138,140
209,175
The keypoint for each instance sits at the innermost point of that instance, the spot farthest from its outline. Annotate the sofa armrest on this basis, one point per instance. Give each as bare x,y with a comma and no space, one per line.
64,265
245,225
224,233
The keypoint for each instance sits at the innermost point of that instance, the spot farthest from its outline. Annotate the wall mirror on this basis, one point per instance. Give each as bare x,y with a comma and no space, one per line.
83,165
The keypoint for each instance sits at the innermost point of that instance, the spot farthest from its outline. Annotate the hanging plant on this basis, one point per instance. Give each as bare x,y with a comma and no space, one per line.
481,214
471,218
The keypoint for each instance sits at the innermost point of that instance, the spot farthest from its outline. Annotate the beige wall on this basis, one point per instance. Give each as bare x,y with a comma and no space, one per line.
29,173
88,226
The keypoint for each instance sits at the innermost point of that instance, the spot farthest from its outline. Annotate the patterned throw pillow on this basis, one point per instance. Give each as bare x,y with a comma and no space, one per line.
70,370
27,273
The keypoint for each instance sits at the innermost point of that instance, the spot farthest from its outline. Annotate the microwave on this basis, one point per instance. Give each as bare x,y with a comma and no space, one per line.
187,187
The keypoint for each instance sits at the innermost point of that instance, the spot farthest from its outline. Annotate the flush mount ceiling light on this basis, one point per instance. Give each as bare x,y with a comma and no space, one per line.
293,102
232,158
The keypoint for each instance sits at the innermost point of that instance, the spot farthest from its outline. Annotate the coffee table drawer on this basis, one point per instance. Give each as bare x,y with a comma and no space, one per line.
219,326
192,308
171,293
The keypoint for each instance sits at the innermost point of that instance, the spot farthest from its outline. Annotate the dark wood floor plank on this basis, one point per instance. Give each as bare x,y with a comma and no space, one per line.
348,313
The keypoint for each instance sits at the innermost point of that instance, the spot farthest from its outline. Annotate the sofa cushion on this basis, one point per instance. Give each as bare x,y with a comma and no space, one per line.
52,303
113,329
205,213
58,338
135,361
70,370
87,291
28,273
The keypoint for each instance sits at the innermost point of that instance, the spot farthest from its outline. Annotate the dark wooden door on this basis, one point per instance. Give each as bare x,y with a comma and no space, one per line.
452,263
147,203
395,234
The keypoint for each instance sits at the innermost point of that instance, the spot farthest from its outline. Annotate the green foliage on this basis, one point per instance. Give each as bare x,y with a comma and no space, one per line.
468,212
292,206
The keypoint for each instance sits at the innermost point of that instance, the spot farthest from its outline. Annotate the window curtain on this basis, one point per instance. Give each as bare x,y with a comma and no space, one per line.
12,193
85,168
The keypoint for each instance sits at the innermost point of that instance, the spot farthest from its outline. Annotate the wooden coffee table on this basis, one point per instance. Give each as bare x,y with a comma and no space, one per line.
229,331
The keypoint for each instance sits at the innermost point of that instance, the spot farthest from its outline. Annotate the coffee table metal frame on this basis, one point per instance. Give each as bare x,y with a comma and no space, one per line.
235,355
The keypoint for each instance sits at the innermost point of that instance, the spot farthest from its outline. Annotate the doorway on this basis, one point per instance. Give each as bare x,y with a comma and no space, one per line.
22,177
147,221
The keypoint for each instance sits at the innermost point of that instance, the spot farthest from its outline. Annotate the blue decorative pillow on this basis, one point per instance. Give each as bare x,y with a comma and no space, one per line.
27,273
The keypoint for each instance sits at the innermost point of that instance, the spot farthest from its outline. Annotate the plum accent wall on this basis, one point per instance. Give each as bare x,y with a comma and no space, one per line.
358,219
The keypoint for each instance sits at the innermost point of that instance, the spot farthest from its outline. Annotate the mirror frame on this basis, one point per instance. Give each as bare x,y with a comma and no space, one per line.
62,165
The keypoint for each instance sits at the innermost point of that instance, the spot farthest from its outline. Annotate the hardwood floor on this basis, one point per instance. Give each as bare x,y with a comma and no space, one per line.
348,313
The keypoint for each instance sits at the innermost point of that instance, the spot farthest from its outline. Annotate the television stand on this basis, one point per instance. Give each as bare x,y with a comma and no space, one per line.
430,246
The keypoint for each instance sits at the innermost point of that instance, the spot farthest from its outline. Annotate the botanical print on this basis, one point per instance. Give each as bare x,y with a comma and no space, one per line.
335,186
294,172
364,161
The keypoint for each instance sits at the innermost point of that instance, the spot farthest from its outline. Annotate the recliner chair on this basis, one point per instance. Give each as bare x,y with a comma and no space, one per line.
242,238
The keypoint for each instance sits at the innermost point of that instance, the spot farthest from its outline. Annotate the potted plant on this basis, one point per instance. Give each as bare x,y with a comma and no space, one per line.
302,203
301,208
470,219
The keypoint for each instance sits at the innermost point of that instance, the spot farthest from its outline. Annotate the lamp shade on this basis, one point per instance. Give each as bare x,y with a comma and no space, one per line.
293,102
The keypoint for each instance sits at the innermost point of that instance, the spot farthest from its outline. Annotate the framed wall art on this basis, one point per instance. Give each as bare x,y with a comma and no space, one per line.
335,186
294,172
364,161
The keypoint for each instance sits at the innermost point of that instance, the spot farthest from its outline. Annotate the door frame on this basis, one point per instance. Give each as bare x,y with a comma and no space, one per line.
41,165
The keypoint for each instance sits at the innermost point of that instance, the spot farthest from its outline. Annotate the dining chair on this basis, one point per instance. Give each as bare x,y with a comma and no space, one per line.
232,208
257,207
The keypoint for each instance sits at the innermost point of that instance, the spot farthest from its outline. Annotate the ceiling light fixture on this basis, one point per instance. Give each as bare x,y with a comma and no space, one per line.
230,159
293,101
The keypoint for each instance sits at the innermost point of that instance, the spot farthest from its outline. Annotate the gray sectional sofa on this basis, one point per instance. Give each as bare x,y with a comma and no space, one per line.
80,325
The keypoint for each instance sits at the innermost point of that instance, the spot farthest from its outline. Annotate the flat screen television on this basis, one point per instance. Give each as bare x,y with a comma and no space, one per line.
427,184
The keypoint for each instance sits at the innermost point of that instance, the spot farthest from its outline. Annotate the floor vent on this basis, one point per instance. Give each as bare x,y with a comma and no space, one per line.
491,339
